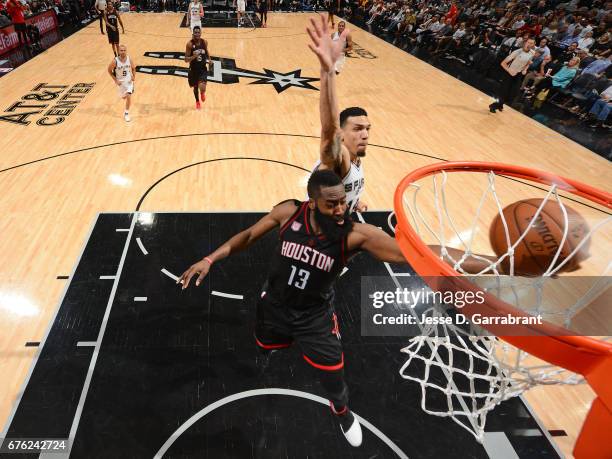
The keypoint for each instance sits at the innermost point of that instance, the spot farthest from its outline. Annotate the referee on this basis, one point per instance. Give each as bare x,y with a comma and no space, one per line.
515,67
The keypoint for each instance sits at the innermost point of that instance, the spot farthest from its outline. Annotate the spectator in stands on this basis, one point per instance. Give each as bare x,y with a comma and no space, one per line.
569,52
549,31
535,71
601,108
16,10
570,38
518,22
561,34
447,41
601,46
559,80
587,41
515,66
543,48
517,41
585,58
597,67
34,36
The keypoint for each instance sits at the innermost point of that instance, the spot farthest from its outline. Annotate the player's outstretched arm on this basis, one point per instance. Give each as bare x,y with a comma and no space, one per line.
385,248
376,242
328,52
278,216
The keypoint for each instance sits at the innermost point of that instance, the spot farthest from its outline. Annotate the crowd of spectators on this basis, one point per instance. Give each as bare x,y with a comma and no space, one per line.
565,47
73,12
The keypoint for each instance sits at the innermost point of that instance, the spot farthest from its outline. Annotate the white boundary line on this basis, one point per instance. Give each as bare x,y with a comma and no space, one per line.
51,322
269,391
142,247
94,358
170,275
107,277
227,295
140,298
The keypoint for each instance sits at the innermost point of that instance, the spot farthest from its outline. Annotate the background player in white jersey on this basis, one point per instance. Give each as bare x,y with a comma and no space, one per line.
240,9
344,136
348,46
123,72
195,13
100,7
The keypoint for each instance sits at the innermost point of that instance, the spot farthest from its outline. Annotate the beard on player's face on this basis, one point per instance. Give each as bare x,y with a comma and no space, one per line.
330,226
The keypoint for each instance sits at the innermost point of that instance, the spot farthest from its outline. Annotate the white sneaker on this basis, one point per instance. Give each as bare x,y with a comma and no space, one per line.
350,427
126,116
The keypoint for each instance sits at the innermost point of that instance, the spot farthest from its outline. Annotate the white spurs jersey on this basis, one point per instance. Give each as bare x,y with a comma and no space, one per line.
353,183
123,70
194,11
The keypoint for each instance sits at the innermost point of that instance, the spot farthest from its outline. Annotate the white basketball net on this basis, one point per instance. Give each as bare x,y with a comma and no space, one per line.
476,373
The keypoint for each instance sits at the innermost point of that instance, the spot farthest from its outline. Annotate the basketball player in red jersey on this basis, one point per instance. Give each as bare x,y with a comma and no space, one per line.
344,136
198,58
317,238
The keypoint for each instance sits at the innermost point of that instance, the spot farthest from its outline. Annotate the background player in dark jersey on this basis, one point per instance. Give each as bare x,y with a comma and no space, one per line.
263,6
332,7
111,17
198,57
317,237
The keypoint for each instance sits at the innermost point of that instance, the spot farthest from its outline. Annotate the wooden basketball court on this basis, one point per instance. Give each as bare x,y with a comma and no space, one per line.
248,148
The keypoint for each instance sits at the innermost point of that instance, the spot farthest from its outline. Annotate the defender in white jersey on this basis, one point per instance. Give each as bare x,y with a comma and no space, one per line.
123,72
195,13
344,136
348,46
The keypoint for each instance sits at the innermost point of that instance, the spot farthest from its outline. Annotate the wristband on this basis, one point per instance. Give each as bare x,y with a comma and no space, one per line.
210,262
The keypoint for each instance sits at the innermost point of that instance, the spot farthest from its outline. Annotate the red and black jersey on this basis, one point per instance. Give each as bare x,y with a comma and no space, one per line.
305,265
199,63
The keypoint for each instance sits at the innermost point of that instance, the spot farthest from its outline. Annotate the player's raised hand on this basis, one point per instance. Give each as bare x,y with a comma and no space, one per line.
327,50
200,269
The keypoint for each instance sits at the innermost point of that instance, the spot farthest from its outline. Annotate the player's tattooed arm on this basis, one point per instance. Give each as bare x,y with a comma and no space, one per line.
278,216
328,52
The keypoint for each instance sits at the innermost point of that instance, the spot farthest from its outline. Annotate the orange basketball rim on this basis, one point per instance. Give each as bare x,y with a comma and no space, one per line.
587,356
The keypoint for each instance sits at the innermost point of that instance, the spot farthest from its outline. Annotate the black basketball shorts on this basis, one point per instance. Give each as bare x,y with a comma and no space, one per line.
196,77
315,332
113,36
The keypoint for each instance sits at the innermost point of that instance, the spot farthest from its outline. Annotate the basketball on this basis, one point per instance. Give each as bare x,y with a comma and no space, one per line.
534,254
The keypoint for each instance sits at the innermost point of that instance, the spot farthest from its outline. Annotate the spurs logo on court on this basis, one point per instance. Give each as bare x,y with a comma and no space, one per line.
53,102
224,71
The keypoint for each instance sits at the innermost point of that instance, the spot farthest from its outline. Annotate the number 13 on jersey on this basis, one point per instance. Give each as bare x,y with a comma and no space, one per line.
302,275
